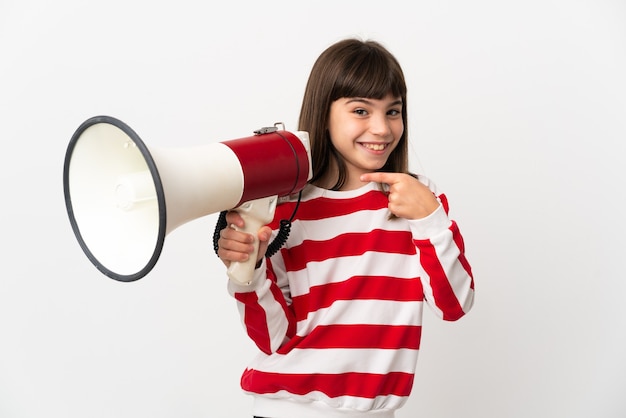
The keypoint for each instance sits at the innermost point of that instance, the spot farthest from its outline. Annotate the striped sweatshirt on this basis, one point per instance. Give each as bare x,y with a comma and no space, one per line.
337,312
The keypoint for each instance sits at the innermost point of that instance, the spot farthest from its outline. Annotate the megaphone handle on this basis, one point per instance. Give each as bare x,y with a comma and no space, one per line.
255,214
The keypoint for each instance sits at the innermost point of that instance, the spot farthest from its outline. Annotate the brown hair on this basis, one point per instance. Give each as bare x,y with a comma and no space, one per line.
350,68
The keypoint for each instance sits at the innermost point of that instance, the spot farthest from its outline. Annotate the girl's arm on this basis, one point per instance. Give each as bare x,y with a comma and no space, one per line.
447,280
262,306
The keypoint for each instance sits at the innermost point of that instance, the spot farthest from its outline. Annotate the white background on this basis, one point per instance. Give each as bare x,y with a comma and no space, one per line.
517,110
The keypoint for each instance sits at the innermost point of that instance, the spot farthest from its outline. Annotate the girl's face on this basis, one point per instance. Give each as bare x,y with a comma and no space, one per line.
365,132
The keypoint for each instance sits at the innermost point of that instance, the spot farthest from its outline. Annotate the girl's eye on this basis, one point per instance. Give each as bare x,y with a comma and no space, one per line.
393,112
360,112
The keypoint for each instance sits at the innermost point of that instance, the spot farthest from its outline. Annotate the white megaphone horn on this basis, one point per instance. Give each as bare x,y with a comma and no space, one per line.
123,198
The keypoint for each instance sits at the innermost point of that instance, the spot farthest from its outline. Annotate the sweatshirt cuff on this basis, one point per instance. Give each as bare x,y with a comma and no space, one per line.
258,276
431,225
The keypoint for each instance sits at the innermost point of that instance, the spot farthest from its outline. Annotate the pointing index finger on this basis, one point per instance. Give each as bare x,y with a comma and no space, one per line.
380,177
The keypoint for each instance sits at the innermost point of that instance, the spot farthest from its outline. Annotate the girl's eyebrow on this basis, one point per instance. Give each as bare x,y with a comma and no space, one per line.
367,101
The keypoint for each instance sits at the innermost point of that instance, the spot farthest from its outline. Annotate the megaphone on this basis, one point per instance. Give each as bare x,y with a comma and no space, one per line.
123,198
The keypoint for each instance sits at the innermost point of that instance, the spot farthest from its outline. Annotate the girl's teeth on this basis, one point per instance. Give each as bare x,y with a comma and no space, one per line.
375,147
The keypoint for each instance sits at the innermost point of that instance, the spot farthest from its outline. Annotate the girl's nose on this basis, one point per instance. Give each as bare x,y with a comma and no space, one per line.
379,125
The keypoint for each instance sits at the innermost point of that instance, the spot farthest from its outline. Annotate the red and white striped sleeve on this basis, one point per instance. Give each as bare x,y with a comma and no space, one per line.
267,318
448,281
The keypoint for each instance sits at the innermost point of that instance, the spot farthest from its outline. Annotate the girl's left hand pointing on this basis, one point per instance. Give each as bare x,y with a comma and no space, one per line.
408,197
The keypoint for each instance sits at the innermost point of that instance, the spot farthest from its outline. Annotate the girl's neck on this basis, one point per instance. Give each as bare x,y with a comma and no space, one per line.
328,182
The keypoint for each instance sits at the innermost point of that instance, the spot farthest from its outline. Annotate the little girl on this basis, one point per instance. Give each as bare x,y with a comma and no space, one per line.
337,312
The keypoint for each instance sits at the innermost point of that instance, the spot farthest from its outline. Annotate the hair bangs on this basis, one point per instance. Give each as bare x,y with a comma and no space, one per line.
370,75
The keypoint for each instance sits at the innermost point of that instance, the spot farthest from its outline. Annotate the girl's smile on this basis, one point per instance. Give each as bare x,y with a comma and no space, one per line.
374,147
